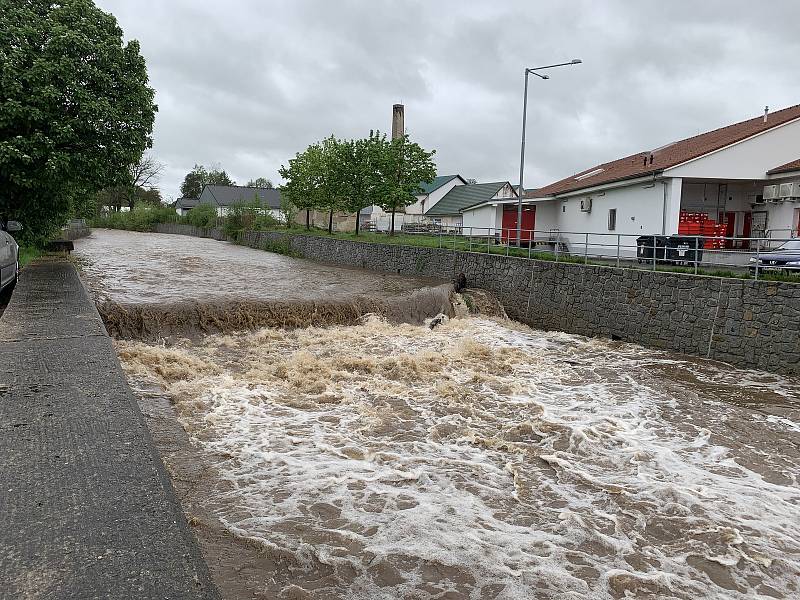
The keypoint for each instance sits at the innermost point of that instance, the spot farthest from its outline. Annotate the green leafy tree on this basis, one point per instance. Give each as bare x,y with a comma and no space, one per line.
219,177
195,179
302,176
332,185
260,182
360,160
75,109
288,210
404,165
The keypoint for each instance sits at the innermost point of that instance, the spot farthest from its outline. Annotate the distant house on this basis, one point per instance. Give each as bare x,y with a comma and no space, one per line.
429,195
448,210
440,203
184,205
742,180
433,192
223,197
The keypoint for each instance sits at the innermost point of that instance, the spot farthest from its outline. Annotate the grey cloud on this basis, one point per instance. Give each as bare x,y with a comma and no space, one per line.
248,83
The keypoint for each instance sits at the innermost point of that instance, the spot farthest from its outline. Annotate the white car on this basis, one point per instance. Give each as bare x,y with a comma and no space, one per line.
9,257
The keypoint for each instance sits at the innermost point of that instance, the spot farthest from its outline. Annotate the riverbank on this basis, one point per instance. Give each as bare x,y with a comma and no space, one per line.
88,509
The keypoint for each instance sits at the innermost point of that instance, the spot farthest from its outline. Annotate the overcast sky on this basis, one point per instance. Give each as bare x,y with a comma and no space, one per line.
245,84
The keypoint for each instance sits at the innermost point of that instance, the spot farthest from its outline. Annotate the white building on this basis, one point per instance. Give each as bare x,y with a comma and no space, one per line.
440,203
724,176
429,195
223,197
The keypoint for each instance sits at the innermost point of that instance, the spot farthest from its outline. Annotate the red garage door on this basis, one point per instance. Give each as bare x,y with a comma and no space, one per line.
510,224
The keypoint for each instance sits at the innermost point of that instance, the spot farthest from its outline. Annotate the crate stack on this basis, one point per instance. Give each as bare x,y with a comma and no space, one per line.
699,224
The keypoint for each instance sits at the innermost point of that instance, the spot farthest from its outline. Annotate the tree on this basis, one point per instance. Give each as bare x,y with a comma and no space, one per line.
332,185
143,175
288,210
360,161
260,182
195,179
302,177
75,109
193,183
219,177
403,166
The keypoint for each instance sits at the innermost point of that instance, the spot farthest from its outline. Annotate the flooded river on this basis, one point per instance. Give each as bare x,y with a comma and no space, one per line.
479,459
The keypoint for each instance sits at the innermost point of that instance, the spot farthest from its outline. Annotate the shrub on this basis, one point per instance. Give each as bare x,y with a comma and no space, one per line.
250,216
202,215
141,218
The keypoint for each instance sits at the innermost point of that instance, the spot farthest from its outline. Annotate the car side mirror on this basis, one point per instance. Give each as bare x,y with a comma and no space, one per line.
13,226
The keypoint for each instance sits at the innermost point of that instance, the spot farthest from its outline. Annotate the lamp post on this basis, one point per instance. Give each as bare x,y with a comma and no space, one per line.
521,191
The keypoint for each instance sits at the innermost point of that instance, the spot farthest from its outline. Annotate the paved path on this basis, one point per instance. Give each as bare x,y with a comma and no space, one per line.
86,507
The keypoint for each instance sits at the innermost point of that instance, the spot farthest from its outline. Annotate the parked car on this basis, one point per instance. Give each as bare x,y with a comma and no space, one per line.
785,258
9,256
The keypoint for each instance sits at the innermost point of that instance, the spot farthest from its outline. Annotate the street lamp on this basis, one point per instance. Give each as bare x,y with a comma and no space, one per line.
574,61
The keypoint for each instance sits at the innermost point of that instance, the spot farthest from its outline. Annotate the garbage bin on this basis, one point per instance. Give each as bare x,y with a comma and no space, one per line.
682,249
650,246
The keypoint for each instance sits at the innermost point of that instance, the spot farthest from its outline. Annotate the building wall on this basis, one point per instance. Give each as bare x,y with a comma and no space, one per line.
482,220
640,209
547,213
749,159
747,323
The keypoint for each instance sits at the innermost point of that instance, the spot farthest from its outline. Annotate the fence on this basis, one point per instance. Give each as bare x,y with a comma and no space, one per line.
695,253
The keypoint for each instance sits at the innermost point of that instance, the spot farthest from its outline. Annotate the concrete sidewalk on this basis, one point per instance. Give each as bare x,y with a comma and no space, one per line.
86,507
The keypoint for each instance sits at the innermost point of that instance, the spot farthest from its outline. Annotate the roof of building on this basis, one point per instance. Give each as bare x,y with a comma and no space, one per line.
790,166
186,202
228,195
655,161
462,196
437,182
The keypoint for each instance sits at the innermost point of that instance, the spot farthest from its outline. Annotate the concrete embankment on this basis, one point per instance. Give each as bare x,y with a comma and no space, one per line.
747,323
86,507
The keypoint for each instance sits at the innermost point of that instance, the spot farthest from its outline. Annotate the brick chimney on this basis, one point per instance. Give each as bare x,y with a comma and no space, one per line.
398,121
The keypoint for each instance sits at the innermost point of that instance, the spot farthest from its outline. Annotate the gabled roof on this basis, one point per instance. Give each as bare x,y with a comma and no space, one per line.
463,196
788,167
655,161
438,182
228,195
186,202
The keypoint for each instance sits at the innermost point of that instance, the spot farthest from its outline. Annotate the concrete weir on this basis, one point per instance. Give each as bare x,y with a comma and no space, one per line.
87,509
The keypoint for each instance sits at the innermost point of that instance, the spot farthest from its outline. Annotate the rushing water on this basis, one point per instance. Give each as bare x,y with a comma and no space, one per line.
479,459
149,268
486,460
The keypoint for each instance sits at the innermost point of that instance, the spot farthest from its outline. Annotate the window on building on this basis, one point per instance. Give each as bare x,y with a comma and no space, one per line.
612,219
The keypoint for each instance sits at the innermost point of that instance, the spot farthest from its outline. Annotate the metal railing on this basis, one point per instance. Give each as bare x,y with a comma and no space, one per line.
686,253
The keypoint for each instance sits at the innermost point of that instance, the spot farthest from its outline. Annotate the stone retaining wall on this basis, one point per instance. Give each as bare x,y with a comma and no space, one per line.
744,322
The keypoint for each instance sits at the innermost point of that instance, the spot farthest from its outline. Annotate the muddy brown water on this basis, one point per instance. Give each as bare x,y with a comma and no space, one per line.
480,459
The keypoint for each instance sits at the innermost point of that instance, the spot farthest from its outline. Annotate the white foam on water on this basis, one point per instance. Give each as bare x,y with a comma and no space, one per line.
486,460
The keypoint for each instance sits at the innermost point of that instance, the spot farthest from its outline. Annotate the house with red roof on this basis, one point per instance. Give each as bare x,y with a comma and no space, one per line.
743,179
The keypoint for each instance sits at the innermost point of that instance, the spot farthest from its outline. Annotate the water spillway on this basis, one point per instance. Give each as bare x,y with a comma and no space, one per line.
371,457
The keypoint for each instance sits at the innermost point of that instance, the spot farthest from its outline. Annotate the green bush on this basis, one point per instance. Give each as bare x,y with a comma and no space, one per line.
141,218
249,216
202,215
